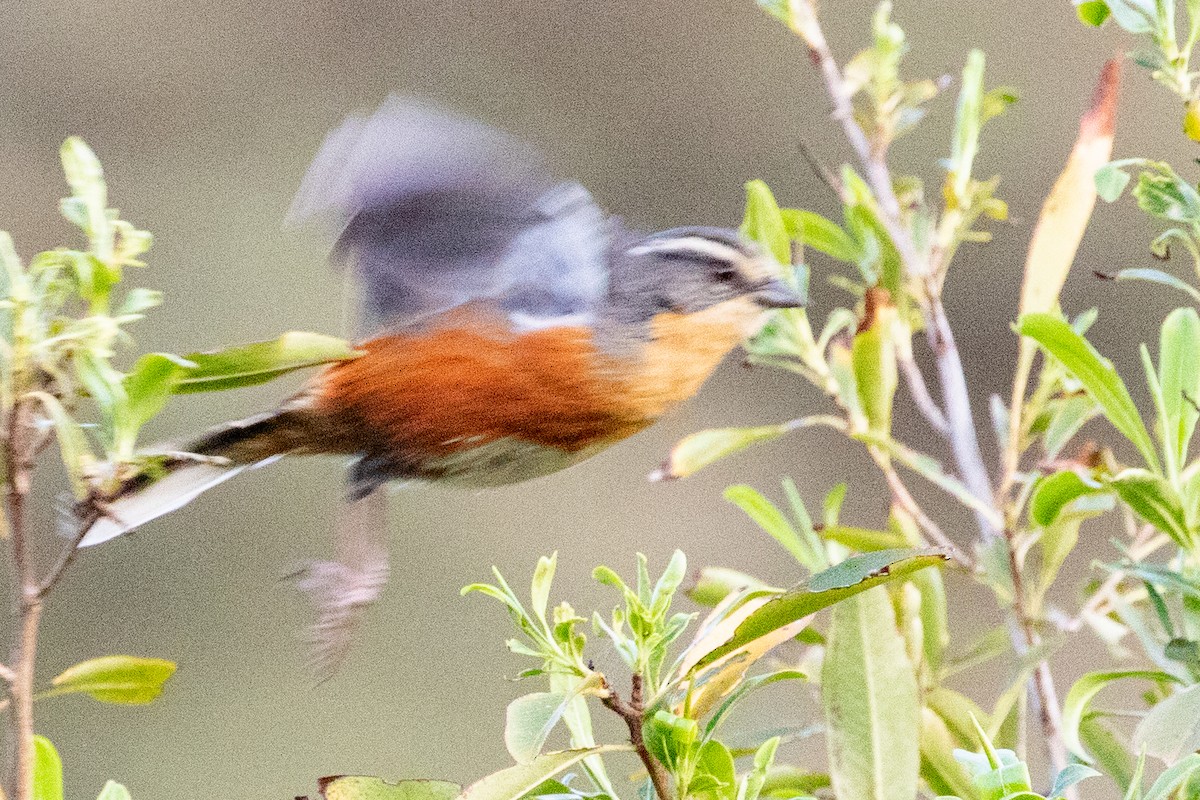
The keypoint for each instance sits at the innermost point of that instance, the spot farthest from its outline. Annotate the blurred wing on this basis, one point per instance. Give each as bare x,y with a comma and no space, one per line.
439,210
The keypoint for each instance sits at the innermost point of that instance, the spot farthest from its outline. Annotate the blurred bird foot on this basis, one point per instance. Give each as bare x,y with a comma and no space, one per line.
340,594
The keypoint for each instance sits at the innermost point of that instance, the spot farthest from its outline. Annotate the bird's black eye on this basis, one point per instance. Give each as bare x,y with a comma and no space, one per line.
725,274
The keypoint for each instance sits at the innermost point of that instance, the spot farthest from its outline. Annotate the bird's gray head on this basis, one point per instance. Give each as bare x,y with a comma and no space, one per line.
686,270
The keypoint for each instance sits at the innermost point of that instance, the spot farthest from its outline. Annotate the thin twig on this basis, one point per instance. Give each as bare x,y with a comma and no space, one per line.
29,603
955,398
632,713
821,171
919,391
905,500
93,511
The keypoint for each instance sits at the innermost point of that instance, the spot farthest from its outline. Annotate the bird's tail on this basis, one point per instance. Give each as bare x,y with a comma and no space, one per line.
211,459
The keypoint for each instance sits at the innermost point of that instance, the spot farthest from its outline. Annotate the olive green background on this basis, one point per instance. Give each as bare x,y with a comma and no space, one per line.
205,115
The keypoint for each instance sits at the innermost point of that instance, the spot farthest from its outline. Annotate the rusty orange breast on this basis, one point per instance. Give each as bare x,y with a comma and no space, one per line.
449,388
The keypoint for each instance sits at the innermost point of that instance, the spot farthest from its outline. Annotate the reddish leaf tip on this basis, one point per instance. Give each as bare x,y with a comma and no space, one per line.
1101,115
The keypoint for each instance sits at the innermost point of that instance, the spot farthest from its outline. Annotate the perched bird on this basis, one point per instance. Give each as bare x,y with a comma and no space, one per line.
514,329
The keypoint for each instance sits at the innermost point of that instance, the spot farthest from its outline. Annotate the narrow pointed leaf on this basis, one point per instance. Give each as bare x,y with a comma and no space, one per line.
1068,208
697,451
1097,375
1082,692
821,234
1159,277
261,362
1054,492
1154,500
515,782
853,576
764,224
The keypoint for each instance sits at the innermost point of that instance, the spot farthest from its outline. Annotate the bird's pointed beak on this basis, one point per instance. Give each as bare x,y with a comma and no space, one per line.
777,294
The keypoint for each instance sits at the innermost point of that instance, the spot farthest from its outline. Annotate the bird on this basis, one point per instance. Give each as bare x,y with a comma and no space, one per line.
511,328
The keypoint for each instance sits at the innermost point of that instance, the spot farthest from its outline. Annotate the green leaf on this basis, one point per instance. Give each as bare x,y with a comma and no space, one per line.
1153,499
764,757
869,689
47,770
1135,16
261,362
1093,12
1082,692
1179,377
940,770
539,589
1070,775
1097,375
851,577
770,519
1065,416
714,777
362,787
1054,492
77,457
529,721
1161,193
1159,277
714,584
1111,181
1173,778
697,451
670,738
764,224
821,234
744,688
114,791
125,680
147,387
1110,753
515,782
863,540
1170,730
967,124
873,354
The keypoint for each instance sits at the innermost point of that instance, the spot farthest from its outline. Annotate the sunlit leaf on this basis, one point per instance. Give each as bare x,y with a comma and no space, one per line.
47,770
77,457
851,577
115,791
1170,729
1159,277
1093,12
763,222
1179,377
260,362
515,782
821,234
873,355
697,451
1154,500
529,721
126,680
362,787
1096,373
1081,694
1172,778
714,584
869,689
1054,492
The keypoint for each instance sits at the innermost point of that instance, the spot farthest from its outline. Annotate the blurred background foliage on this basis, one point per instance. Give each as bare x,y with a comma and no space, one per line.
206,115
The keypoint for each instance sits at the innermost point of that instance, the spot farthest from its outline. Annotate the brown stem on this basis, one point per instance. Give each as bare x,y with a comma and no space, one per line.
904,498
93,511
633,714
1024,640
29,602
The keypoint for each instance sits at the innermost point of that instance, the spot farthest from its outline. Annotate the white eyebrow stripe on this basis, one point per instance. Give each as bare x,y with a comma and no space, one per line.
690,244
